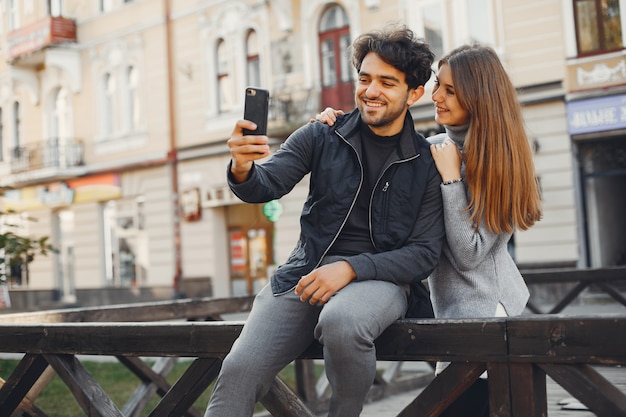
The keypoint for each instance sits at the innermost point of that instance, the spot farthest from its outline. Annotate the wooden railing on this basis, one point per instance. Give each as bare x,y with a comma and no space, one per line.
517,352
604,280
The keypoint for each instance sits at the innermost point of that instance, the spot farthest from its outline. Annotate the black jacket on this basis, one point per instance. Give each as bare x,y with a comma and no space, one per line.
405,216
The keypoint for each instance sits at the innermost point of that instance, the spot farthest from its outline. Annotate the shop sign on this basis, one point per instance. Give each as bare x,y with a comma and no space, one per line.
190,205
102,187
596,114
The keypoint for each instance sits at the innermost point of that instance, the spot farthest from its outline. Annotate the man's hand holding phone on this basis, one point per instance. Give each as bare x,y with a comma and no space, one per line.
245,149
249,139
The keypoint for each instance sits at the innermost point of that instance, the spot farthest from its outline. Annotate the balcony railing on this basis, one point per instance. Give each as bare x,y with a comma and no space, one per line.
51,153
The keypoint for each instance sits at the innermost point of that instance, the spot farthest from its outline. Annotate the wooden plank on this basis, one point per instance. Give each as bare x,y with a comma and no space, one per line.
499,390
137,312
443,390
193,382
153,381
569,297
281,401
612,291
188,339
41,383
564,275
26,408
478,340
482,340
566,339
305,379
21,380
88,393
560,339
528,391
590,387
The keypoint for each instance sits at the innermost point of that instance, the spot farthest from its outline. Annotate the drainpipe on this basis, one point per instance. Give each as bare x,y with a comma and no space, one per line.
172,155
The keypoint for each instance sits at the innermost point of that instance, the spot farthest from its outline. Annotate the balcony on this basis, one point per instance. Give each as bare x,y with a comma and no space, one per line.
50,159
26,43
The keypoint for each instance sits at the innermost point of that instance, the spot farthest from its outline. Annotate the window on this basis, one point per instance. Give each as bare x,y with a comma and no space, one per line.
16,124
224,79
1,136
108,87
105,5
60,150
119,119
132,98
107,104
336,69
598,26
252,59
19,154
14,14
56,7
447,24
125,242
1,20
480,22
433,27
66,282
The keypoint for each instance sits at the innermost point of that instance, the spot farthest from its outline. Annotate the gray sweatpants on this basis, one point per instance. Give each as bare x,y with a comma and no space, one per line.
281,327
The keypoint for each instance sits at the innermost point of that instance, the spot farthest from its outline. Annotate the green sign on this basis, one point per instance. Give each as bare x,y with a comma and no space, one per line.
272,210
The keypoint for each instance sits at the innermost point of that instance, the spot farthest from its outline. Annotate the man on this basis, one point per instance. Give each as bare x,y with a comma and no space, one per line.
372,225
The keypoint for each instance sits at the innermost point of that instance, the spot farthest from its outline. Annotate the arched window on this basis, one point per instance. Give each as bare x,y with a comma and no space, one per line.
1,136
336,69
132,81
58,150
16,124
253,62
108,99
224,78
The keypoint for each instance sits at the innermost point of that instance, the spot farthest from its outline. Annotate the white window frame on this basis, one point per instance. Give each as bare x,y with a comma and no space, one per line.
14,14
132,103
253,59
57,8
106,6
569,25
107,126
454,15
225,76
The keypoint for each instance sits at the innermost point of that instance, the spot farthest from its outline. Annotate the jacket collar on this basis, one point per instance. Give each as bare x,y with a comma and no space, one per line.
349,129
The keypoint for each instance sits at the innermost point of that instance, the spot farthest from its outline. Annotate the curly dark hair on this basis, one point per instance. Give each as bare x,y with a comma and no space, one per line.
399,47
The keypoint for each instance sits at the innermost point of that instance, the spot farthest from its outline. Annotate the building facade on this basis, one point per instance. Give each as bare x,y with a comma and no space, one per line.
114,116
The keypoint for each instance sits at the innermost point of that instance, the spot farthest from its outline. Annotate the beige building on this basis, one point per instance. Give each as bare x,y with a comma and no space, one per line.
114,116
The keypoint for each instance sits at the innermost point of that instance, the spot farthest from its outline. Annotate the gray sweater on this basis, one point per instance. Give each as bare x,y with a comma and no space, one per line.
475,271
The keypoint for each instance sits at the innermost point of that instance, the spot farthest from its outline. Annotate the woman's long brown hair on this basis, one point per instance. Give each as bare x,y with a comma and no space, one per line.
499,170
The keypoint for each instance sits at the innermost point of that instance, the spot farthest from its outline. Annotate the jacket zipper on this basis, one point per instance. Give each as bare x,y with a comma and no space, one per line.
384,190
345,219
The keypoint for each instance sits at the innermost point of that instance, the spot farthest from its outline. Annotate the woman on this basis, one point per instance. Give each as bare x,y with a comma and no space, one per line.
488,186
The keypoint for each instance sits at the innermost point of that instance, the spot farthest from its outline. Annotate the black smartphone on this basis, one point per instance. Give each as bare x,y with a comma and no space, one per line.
255,109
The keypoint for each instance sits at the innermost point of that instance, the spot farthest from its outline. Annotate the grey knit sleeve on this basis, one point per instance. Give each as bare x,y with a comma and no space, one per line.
469,246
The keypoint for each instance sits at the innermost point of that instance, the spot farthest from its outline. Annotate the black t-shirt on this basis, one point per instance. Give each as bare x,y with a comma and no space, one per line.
354,237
